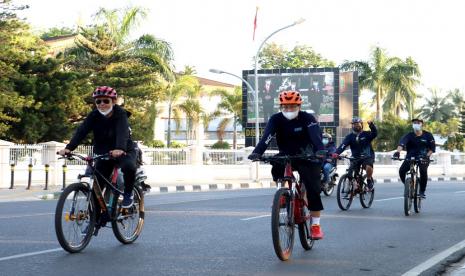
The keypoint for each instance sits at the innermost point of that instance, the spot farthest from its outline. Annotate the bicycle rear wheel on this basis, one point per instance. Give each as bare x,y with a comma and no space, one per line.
417,199
75,218
344,193
282,224
408,196
128,223
305,234
366,197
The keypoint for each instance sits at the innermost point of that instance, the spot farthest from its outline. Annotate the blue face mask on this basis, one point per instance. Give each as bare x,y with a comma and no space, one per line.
325,141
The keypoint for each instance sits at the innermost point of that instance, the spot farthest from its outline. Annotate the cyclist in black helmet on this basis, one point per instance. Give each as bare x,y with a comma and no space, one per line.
359,142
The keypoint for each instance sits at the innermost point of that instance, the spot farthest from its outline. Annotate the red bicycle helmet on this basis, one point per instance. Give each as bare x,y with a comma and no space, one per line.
104,91
290,97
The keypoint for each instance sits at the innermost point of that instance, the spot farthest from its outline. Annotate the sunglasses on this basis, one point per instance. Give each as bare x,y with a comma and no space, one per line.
105,101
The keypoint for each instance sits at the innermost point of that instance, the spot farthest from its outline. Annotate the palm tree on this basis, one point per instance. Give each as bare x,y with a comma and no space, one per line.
173,93
373,75
231,104
437,108
193,110
403,78
457,99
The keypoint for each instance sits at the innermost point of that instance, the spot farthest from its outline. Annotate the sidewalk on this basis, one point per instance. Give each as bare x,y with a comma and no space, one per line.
37,192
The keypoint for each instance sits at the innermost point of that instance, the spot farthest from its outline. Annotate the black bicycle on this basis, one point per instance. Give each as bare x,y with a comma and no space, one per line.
290,208
412,185
354,183
85,206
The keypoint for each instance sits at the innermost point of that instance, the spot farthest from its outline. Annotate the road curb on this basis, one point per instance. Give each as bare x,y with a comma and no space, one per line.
53,195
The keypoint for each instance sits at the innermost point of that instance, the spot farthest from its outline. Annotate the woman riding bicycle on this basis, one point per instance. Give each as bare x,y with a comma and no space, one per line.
109,124
296,132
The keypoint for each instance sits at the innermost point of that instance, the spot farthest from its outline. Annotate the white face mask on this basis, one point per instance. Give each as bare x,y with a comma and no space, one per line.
416,127
105,113
291,114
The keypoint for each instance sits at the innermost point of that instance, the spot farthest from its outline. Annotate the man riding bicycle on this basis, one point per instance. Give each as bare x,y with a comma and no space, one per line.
328,164
109,124
359,142
296,132
418,143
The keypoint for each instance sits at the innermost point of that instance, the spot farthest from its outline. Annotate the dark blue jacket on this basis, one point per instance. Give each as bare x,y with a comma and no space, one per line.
331,148
418,145
360,144
300,135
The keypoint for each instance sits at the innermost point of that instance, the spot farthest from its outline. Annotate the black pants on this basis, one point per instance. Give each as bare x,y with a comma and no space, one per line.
127,163
309,173
423,173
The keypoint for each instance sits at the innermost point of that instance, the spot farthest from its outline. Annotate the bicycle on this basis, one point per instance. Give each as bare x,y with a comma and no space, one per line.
328,188
411,186
290,208
354,183
85,207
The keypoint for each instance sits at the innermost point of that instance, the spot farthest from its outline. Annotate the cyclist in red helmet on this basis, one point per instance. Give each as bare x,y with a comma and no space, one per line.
296,132
109,124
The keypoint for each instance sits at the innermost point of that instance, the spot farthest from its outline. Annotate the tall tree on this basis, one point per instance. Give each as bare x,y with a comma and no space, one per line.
403,79
374,74
136,68
274,56
230,108
437,107
173,92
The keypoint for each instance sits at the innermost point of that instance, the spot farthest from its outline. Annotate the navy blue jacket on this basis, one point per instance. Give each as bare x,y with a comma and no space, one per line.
418,145
109,132
296,136
360,144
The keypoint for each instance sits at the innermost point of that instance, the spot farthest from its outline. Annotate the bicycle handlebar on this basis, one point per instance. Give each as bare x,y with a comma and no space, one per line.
351,158
413,158
286,158
73,156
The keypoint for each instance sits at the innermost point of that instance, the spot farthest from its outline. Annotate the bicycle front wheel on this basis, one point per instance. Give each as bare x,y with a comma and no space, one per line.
282,224
128,223
344,193
305,235
408,196
366,197
75,218
417,199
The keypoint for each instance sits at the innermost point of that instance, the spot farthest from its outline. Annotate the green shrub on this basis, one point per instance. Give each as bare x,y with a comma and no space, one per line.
221,145
177,145
154,144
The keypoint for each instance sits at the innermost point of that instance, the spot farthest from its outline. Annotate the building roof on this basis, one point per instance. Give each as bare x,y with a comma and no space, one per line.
204,81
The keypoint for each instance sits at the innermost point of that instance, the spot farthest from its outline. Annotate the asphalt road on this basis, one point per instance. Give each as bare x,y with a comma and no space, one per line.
228,233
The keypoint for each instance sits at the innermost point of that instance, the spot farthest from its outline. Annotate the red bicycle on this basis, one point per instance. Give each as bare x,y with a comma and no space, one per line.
290,208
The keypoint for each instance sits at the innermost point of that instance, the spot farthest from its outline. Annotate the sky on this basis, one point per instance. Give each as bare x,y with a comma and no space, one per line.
218,34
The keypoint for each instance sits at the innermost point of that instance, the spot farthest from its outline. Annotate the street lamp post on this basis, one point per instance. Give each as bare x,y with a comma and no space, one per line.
255,91
257,127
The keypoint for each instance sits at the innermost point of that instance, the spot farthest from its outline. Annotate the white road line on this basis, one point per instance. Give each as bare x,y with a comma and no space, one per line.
435,259
25,215
30,254
391,198
257,217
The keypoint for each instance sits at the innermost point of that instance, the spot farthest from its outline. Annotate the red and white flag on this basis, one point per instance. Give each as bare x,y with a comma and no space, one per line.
255,23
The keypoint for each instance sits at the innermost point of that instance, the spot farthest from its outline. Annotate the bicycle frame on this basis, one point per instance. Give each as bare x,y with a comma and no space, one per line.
94,186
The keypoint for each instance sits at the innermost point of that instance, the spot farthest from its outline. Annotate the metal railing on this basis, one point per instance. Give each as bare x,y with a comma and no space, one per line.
26,154
158,156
